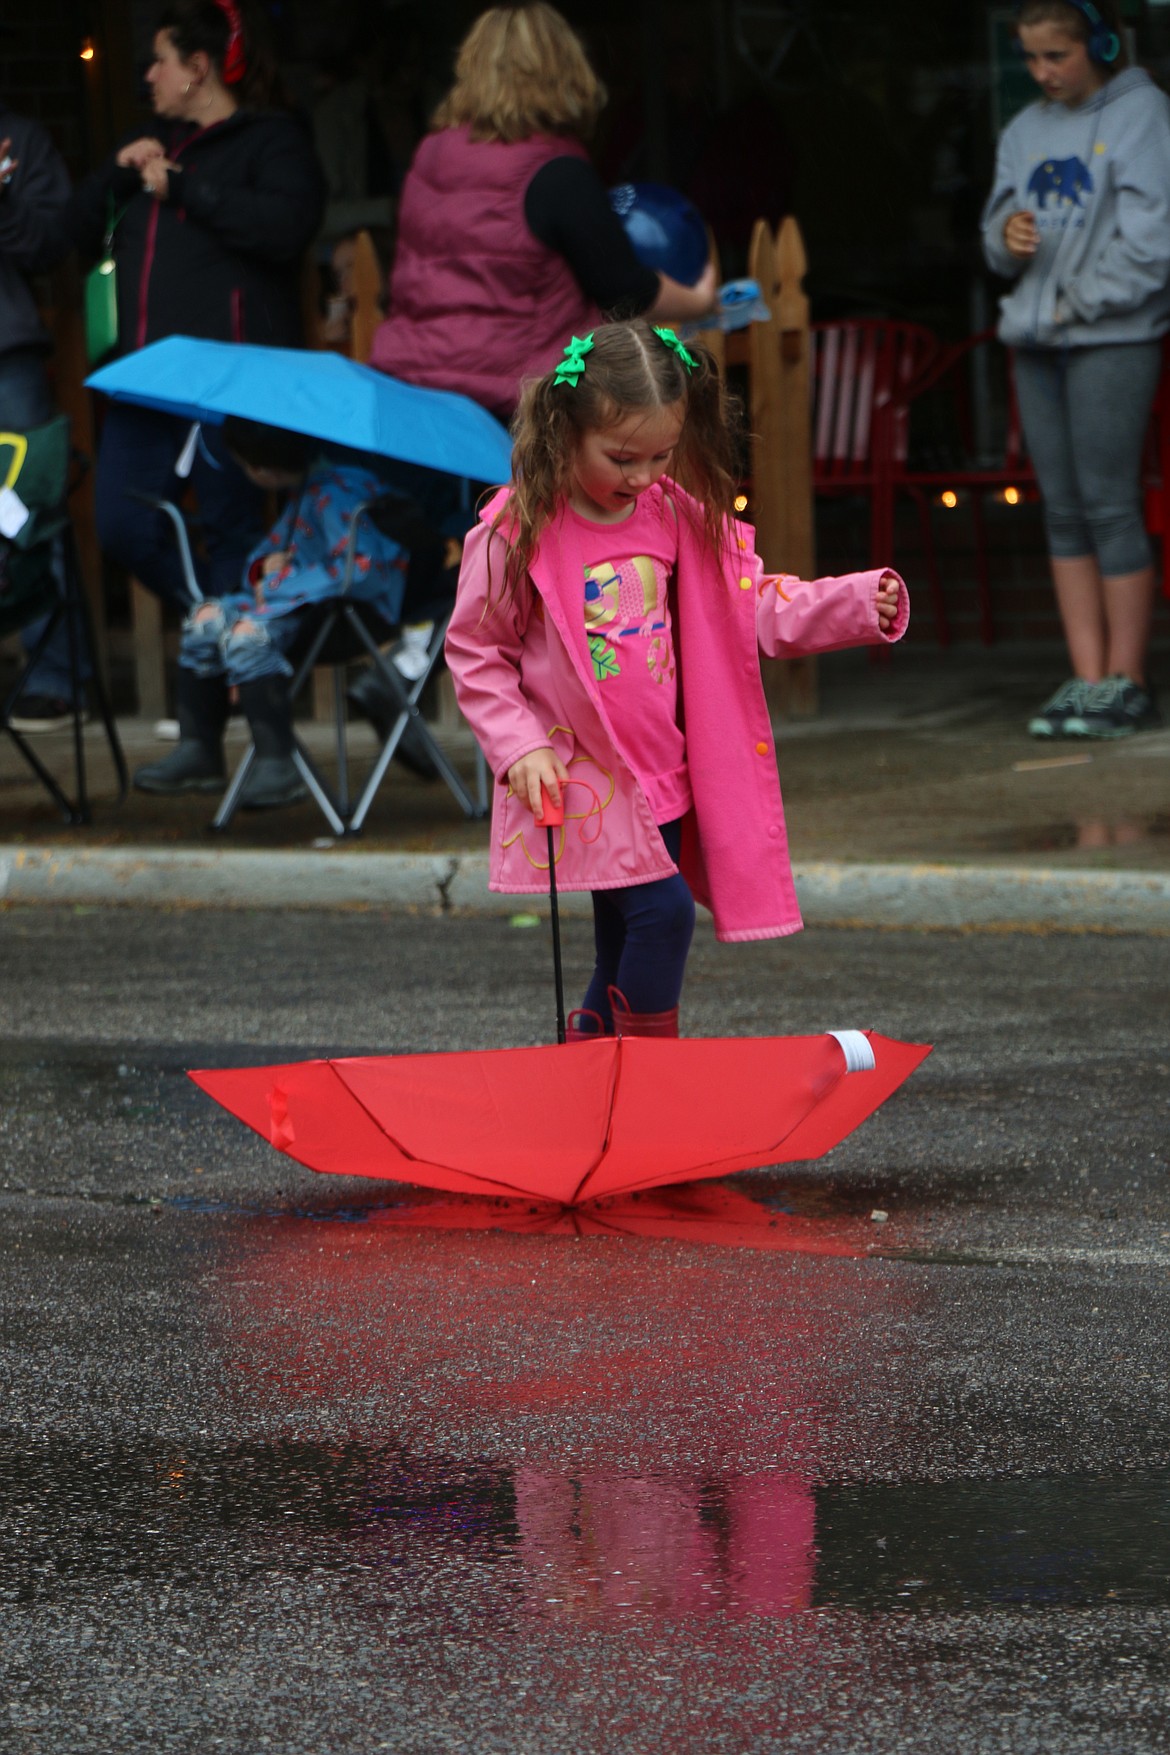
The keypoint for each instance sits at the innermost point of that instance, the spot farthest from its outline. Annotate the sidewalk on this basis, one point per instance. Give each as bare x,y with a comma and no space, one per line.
915,797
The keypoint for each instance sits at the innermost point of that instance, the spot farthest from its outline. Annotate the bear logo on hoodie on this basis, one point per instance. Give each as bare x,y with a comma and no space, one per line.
1062,179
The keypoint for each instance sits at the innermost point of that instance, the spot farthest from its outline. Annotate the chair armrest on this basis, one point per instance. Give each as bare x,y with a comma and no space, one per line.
172,512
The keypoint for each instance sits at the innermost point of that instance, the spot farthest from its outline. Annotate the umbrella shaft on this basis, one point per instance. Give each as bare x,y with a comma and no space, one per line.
556,933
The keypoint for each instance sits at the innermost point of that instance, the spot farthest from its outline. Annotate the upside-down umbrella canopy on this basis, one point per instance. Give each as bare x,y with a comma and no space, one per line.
570,1124
321,394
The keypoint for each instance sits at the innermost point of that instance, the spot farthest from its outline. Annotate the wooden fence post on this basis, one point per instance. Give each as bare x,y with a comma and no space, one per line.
782,439
367,297
365,291
150,677
798,540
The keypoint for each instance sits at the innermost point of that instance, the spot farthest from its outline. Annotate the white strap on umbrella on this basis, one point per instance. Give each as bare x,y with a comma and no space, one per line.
186,459
855,1045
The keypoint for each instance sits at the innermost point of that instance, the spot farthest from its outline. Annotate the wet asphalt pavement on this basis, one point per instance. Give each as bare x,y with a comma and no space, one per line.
295,1463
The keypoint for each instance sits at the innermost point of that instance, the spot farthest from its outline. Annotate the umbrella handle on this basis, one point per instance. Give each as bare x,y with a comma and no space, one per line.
552,817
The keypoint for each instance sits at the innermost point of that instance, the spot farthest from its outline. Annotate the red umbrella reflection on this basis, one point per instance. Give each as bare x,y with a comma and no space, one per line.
709,1213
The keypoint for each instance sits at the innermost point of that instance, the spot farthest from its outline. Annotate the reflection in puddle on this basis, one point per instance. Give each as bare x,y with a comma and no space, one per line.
584,1547
597,1545
713,1213
696,1212
1084,834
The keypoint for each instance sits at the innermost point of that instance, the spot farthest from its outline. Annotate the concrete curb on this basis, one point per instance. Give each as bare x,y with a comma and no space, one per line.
925,896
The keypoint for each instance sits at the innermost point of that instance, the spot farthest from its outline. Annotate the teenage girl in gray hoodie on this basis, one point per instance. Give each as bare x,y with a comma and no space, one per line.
1079,217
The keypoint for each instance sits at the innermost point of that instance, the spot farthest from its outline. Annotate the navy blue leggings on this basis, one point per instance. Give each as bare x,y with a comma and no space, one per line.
642,935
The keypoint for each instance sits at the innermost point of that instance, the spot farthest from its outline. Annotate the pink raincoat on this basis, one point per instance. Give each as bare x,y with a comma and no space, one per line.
519,696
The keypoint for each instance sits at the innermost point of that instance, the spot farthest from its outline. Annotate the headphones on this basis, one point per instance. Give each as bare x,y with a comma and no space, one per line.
1104,44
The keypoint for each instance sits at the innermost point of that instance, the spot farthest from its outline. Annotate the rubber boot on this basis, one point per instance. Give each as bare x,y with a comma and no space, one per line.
628,1023
585,1025
274,779
196,763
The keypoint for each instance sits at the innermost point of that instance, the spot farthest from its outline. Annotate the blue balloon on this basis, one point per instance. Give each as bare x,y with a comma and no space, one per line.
666,230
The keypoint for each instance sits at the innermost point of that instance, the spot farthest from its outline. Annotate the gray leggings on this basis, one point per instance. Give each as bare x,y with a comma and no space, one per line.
1085,411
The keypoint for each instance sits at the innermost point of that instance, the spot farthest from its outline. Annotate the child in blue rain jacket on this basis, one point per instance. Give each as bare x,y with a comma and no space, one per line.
243,641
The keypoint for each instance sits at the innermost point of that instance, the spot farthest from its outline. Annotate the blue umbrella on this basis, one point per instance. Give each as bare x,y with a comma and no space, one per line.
321,394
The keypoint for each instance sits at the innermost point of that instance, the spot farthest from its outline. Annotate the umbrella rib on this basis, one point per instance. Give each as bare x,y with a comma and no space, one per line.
490,1185
714,1166
608,1139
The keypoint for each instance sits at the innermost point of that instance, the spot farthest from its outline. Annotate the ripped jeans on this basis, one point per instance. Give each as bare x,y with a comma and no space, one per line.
228,637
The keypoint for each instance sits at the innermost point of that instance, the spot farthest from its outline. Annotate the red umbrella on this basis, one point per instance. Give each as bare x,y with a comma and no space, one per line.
621,1113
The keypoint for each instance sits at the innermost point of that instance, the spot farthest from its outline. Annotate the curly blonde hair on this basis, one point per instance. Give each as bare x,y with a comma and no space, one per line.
522,70
629,370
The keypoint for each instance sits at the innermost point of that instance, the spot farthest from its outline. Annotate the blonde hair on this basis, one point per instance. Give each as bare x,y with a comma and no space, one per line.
521,70
629,370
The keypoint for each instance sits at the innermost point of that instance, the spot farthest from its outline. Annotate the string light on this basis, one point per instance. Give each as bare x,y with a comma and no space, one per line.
741,502
948,498
87,49
1011,496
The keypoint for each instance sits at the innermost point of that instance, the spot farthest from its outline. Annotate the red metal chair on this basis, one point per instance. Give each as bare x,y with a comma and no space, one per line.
1011,468
860,376
1156,479
1009,471
869,375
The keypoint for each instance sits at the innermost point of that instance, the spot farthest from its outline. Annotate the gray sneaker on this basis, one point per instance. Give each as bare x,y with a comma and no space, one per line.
1053,718
1114,707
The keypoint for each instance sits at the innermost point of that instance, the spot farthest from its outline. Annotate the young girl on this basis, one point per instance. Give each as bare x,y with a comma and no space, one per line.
1079,219
604,646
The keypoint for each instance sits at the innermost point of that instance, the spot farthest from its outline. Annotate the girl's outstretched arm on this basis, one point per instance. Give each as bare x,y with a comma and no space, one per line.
797,617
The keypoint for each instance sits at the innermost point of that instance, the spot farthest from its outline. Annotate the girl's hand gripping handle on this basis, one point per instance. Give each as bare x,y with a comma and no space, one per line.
552,816
535,774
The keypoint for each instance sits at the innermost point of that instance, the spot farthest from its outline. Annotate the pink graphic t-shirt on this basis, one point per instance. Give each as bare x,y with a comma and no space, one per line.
625,573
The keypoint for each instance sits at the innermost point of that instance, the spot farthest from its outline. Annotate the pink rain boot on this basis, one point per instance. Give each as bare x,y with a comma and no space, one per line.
628,1023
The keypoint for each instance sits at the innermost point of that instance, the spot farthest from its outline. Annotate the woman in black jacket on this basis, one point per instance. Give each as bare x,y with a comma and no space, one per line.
212,211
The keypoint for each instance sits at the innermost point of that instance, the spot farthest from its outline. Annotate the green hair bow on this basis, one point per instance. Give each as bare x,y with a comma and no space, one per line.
669,339
573,364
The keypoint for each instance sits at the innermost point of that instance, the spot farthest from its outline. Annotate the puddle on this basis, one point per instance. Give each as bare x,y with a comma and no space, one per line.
1081,835
1072,1541
714,1214
588,1547
711,1213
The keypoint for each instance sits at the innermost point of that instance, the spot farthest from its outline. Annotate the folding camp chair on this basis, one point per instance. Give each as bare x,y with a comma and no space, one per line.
40,576
344,629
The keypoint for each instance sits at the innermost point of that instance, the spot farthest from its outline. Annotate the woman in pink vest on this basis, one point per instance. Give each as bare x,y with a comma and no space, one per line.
507,243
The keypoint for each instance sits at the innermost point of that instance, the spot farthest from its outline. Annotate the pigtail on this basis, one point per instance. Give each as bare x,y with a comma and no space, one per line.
544,439
707,458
